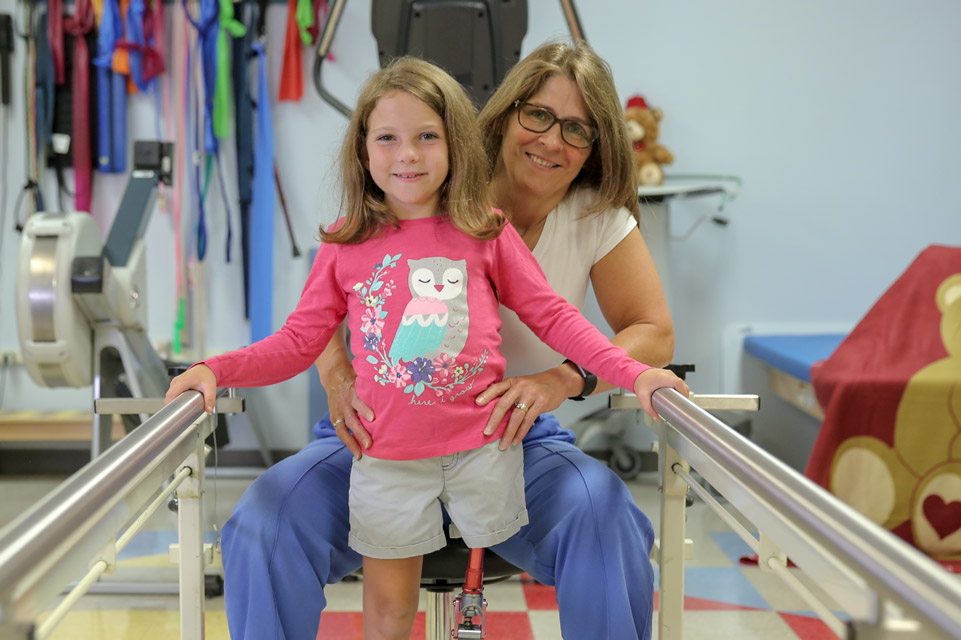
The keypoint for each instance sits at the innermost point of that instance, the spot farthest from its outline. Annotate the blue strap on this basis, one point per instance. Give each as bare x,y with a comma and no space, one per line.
43,96
227,212
244,136
118,101
112,109
207,29
193,124
262,211
135,35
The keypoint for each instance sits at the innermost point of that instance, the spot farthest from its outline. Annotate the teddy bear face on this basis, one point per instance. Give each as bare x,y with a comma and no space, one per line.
642,124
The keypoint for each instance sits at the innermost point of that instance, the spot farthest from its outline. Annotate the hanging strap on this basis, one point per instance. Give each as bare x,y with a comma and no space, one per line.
78,25
180,76
244,138
294,249
262,211
55,37
229,28
134,42
292,73
143,48
111,107
41,80
306,18
194,126
154,56
121,58
206,28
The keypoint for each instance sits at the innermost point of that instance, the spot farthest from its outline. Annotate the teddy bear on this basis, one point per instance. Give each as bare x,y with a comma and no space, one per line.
643,130
916,480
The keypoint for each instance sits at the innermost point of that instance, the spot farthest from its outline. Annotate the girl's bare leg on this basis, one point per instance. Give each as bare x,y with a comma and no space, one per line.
390,597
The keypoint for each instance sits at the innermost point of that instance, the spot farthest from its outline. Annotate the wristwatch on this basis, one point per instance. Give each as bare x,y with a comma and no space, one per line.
590,382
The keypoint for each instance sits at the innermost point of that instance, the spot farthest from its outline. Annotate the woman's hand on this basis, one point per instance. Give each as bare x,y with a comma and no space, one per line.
345,407
199,377
527,397
337,375
652,380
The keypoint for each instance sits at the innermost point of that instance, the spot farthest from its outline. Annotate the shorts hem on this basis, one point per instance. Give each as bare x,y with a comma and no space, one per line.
394,552
490,539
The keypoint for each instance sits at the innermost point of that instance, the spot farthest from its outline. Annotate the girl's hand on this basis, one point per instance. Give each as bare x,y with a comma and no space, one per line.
652,380
537,394
201,378
345,407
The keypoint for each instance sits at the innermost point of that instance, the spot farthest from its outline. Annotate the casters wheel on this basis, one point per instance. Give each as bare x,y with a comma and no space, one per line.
213,585
626,462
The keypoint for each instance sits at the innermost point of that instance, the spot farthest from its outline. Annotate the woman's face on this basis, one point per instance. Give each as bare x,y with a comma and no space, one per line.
542,163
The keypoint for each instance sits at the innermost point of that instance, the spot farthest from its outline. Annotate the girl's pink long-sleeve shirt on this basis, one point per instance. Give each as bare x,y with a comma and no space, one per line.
422,306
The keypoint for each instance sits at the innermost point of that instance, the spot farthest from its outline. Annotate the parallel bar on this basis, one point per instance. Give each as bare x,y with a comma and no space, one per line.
52,542
723,513
896,570
706,401
818,607
50,623
101,566
116,406
152,508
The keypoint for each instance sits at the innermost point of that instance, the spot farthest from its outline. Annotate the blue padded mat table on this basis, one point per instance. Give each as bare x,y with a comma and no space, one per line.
793,354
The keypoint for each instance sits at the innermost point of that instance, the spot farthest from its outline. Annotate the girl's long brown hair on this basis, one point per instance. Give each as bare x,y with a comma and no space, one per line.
463,194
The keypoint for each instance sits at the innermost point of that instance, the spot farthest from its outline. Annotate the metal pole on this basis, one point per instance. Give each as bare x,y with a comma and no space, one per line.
573,20
191,556
670,559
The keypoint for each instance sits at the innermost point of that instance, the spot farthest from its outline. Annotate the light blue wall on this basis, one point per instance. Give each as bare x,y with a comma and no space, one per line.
842,120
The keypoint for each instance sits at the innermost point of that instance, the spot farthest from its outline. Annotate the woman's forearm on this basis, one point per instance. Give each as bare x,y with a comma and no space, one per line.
333,365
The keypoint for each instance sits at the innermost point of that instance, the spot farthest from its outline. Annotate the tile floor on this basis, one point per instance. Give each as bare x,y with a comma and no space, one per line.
723,599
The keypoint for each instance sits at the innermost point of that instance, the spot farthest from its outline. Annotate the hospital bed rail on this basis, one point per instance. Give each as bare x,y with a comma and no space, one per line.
887,587
72,533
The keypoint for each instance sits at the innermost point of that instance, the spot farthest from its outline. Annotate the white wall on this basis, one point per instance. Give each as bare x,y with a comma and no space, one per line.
841,119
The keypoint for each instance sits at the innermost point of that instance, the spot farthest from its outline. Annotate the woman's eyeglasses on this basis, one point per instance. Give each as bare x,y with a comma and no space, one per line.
540,120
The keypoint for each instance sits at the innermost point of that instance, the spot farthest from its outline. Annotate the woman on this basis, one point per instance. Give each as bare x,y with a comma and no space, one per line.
563,172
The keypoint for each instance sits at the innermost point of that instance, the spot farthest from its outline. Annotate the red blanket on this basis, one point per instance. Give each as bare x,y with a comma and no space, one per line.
890,443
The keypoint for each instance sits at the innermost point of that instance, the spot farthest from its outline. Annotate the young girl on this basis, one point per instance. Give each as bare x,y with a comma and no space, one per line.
419,264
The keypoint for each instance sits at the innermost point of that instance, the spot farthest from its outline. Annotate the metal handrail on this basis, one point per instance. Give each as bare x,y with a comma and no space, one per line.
52,542
887,564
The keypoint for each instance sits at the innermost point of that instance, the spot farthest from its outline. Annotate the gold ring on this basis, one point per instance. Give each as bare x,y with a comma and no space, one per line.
521,406
337,422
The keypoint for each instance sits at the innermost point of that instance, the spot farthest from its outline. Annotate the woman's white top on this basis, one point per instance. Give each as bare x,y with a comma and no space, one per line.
569,246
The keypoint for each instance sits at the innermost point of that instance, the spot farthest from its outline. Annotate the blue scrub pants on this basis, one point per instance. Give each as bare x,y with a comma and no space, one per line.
287,539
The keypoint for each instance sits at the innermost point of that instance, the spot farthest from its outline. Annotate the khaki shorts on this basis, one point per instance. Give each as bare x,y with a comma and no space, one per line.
395,505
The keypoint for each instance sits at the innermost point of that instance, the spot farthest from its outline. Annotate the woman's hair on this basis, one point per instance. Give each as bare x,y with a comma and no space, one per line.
463,194
610,167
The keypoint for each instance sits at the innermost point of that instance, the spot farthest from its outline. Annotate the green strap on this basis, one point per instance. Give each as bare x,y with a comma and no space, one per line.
179,326
305,19
224,88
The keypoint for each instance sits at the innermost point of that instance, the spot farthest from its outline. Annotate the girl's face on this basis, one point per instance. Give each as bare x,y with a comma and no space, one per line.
407,154
542,163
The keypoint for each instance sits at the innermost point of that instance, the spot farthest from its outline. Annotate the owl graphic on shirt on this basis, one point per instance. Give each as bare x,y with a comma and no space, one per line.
436,319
